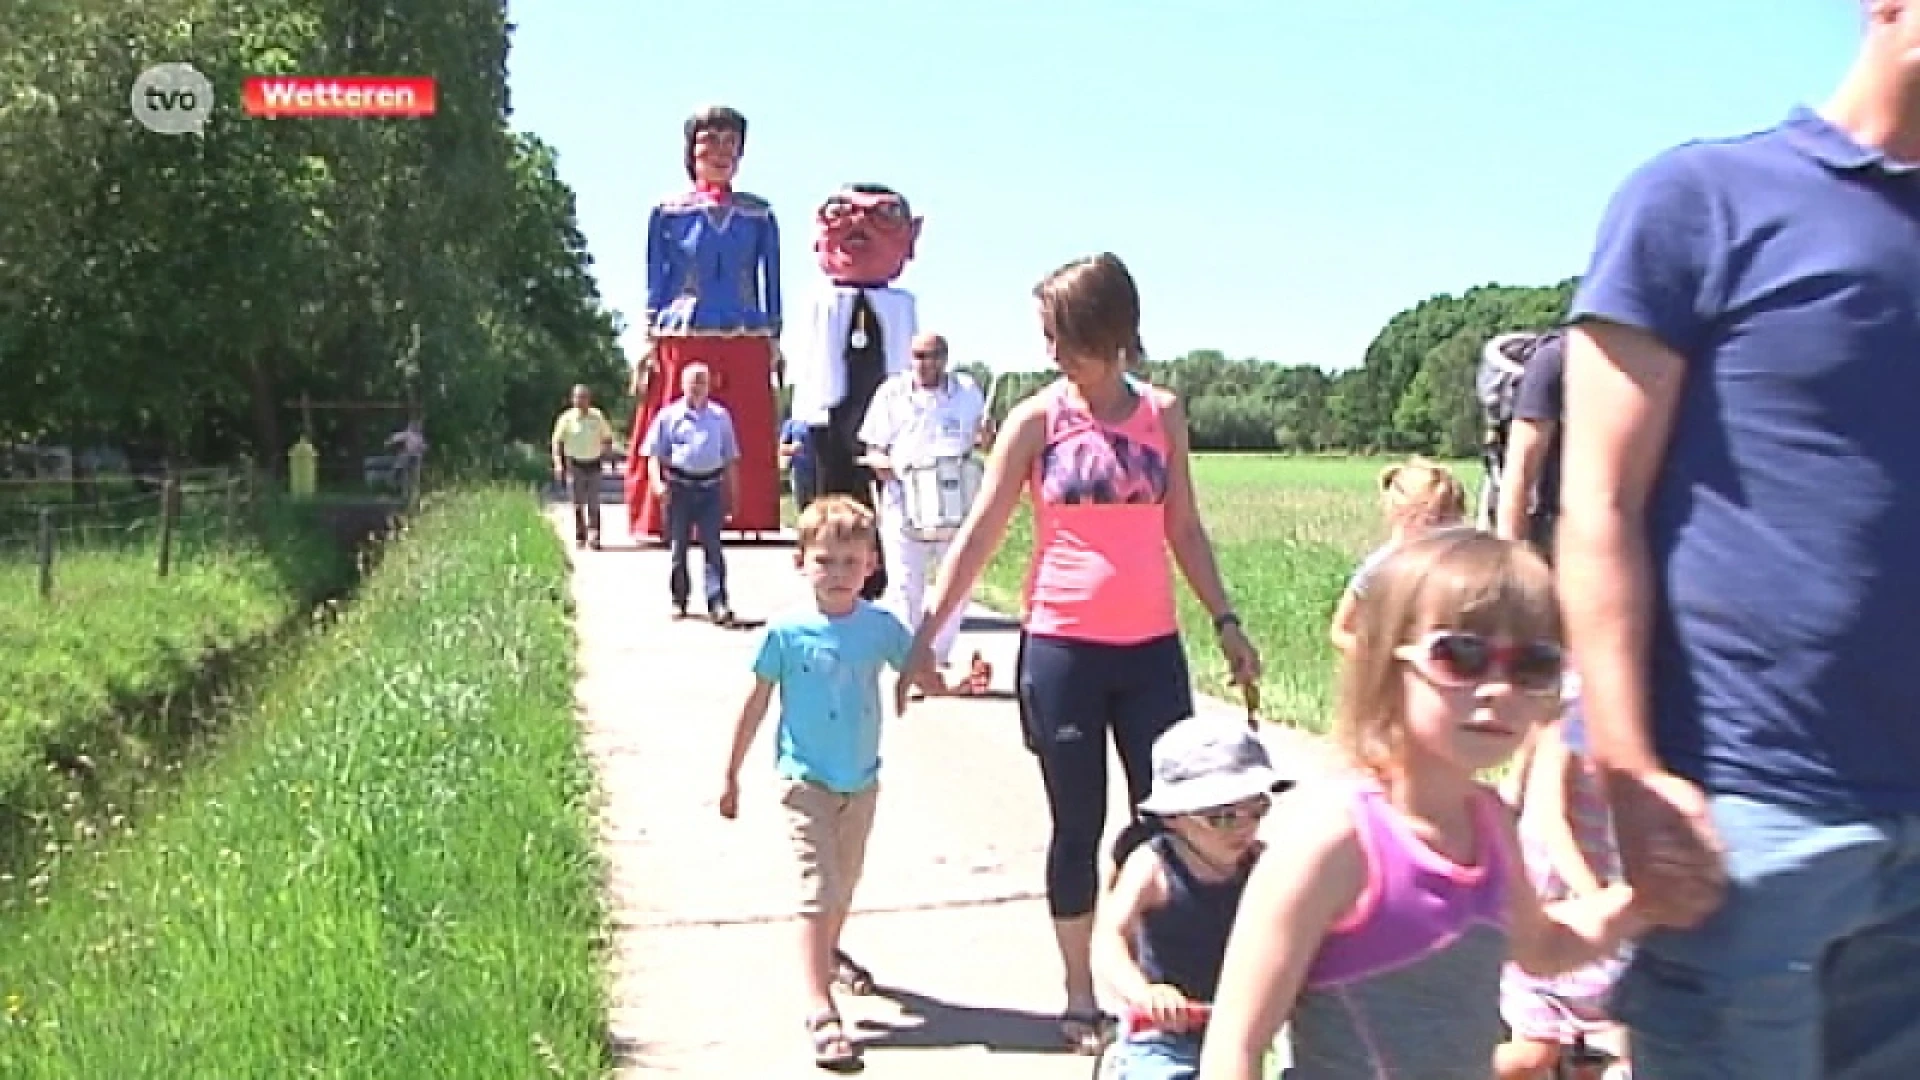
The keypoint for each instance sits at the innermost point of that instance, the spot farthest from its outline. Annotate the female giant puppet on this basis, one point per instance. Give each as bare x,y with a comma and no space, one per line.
713,296
858,331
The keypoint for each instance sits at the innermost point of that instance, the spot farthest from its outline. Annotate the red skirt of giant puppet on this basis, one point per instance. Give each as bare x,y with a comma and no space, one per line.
713,297
742,369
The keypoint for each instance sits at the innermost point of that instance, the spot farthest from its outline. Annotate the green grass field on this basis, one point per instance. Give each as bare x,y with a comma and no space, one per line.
384,871
1287,531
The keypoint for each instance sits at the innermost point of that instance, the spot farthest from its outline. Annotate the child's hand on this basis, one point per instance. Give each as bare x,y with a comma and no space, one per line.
1167,1009
730,799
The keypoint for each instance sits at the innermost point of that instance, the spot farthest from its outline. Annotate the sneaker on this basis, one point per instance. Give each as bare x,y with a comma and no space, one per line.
679,609
722,616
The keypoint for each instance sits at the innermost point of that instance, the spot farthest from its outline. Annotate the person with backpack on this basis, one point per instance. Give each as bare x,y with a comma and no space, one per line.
1530,486
1521,390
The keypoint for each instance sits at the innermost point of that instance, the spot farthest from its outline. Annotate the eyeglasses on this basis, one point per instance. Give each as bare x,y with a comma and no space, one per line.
1457,658
1228,817
889,211
929,356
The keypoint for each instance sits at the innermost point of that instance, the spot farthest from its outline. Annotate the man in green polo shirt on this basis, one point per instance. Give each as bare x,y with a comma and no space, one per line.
582,439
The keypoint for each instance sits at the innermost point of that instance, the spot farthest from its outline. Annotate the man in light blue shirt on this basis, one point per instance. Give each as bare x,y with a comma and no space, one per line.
691,455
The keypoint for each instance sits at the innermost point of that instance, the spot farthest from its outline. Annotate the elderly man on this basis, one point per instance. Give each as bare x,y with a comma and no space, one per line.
581,441
1739,553
920,432
691,456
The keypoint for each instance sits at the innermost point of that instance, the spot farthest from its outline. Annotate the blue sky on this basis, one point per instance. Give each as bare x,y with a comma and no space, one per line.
1281,176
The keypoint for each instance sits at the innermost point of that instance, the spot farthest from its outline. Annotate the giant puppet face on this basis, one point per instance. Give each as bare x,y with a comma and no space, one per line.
715,138
866,235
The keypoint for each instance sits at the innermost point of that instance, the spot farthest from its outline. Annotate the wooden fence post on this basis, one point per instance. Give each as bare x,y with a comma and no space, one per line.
169,511
230,500
46,554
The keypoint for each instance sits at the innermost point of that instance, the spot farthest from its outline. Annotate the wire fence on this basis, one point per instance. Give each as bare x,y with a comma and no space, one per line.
171,519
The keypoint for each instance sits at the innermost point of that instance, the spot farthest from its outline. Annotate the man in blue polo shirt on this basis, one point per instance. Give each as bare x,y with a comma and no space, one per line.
691,452
1739,554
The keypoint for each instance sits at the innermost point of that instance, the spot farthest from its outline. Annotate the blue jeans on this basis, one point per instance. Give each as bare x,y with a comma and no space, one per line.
802,482
1811,970
689,508
1156,1056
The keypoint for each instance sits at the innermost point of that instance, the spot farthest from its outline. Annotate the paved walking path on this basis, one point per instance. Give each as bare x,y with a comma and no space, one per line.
949,917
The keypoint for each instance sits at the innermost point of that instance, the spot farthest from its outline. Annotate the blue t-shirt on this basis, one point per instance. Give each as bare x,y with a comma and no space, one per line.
793,431
828,671
1784,523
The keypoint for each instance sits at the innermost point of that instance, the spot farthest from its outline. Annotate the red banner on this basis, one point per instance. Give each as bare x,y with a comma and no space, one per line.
330,95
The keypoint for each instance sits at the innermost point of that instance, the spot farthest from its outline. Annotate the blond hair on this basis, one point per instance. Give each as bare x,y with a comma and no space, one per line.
833,518
1421,487
1457,578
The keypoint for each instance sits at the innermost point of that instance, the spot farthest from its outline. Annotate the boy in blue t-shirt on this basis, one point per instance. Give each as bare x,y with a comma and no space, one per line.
825,660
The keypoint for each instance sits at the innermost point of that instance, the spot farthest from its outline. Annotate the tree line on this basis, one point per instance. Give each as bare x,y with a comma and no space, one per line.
1413,391
178,294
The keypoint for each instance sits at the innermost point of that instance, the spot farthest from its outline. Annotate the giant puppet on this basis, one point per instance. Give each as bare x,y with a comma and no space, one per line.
858,330
713,296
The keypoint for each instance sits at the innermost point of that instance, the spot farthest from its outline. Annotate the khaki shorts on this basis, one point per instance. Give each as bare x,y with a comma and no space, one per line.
829,833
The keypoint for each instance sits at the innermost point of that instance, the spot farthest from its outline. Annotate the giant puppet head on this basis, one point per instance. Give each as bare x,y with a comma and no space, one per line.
866,236
715,137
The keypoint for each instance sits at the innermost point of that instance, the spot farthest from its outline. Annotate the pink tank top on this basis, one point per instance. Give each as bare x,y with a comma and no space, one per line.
1100,570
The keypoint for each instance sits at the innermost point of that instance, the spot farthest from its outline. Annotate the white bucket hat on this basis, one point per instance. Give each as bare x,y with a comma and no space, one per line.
1206,762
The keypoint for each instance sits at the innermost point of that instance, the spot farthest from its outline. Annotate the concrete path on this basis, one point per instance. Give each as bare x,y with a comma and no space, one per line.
949,917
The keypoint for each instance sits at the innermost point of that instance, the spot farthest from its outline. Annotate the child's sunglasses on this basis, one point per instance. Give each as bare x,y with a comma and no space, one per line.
1227,817
1457,658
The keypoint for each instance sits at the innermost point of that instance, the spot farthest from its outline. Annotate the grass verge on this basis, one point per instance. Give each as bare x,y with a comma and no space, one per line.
385,871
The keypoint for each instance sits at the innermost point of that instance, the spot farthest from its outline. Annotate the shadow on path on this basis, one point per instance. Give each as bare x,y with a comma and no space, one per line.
933,1024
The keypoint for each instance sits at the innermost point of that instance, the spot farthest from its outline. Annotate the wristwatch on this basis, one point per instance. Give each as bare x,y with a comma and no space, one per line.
1224,620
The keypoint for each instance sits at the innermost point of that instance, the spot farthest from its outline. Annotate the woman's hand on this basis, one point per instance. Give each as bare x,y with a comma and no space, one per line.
1243,660
920,671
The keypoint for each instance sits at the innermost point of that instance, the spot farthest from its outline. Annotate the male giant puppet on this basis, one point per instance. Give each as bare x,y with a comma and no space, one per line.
858,330
713,296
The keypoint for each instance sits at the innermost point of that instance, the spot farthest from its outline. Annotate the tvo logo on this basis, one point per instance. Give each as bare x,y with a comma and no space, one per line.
172,99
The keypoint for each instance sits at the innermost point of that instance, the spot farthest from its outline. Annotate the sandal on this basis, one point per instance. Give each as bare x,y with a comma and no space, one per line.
1086,1031
832,1049
850,976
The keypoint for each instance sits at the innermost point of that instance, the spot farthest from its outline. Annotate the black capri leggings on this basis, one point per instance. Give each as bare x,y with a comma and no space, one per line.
1072,693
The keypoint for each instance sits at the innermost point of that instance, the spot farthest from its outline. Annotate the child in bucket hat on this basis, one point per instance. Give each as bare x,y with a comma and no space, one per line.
1161,934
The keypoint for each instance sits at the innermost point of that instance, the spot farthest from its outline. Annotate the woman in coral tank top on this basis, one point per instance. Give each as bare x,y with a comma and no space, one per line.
1104,458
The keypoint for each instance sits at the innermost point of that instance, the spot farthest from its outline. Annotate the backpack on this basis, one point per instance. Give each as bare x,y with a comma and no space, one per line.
1496,384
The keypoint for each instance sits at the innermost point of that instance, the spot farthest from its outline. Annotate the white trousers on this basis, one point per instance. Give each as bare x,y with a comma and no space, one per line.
911,567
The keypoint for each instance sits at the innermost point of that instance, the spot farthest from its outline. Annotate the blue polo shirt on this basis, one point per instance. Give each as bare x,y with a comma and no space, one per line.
698,441
1784,524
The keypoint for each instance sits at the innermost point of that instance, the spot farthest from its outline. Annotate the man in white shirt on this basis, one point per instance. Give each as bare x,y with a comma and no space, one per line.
919,418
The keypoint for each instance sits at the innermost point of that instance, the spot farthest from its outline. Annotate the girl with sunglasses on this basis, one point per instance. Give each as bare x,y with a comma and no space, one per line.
1161,933
1379,930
